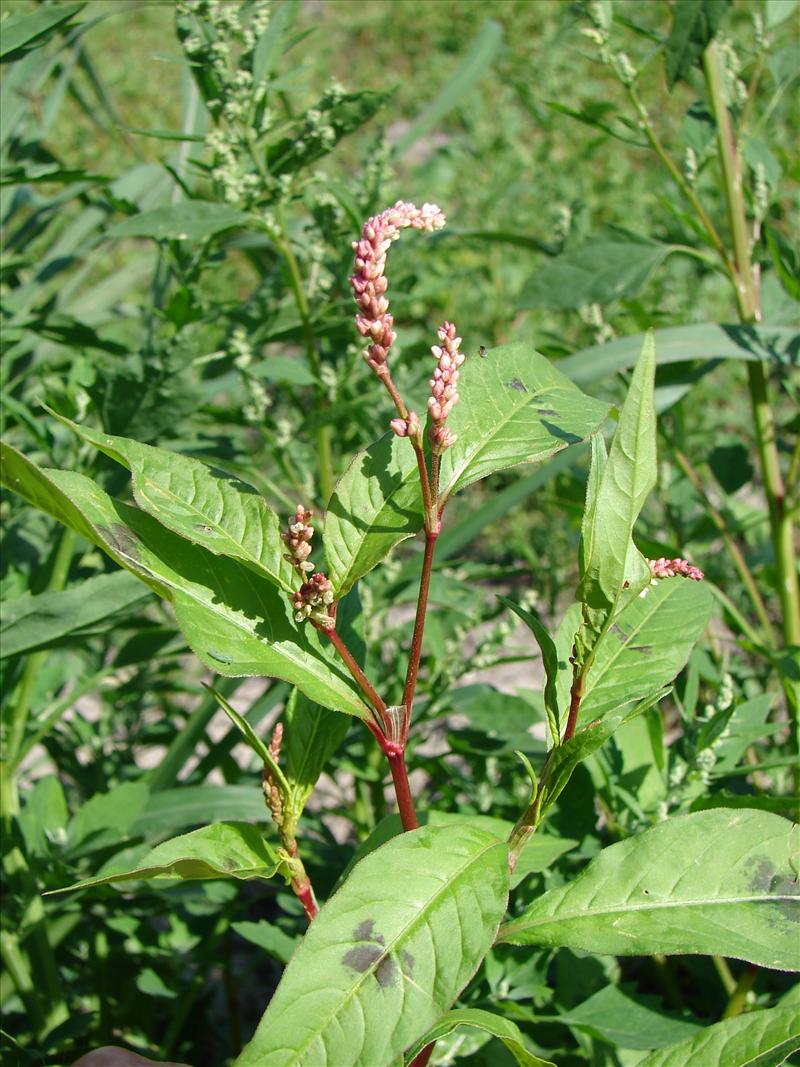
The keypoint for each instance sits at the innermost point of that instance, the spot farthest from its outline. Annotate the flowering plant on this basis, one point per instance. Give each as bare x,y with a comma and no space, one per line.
376,976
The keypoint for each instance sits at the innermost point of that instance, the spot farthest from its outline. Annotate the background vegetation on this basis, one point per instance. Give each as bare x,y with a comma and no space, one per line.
235,344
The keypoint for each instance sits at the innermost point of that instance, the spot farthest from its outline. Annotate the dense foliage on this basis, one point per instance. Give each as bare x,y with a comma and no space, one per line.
500,633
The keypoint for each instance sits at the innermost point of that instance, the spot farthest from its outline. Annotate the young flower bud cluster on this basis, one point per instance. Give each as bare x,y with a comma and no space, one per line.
369,281
409,427
312,600
671,568
444,392
298,540
270,788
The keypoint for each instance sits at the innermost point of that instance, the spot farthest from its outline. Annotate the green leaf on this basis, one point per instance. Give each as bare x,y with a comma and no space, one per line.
41,621
191,220
311,736
235,621
223,514
388,954
44,817
507,1031
627,1021
192,805
27,31
549,662
681,344
694,24
251,737
222,850
610,266
647,645
777,11
717,882
541,850
468,73
758,1039
612,569
343,114
514,407
270,938
107,817
376,504
271,43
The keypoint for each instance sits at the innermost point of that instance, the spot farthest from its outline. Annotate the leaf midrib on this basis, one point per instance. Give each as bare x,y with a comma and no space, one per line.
406,930
663,905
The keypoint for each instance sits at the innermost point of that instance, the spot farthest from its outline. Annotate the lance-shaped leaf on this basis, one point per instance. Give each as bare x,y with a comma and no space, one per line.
646,646
718,882
192,220
236,622
41,621
222,850
757,1039
613,571
376,504
503,1029
549,661
312,735
388,954
222,514
609,559
514,407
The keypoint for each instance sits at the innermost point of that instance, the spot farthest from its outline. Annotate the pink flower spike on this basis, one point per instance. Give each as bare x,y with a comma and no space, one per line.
444,391
369,279
671,568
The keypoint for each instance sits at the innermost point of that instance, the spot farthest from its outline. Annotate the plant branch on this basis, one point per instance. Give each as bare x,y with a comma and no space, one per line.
747,298
658,147
419,622
402,789
358,675
575,696
734,551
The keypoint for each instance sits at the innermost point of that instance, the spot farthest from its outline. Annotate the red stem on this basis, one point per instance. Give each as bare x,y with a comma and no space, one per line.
419,621
575,694
405,803
363,682
421,1059
305,894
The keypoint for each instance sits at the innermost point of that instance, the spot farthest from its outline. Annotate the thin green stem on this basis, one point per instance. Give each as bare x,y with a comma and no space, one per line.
747,297
17,967
658,147
737,998
732,547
